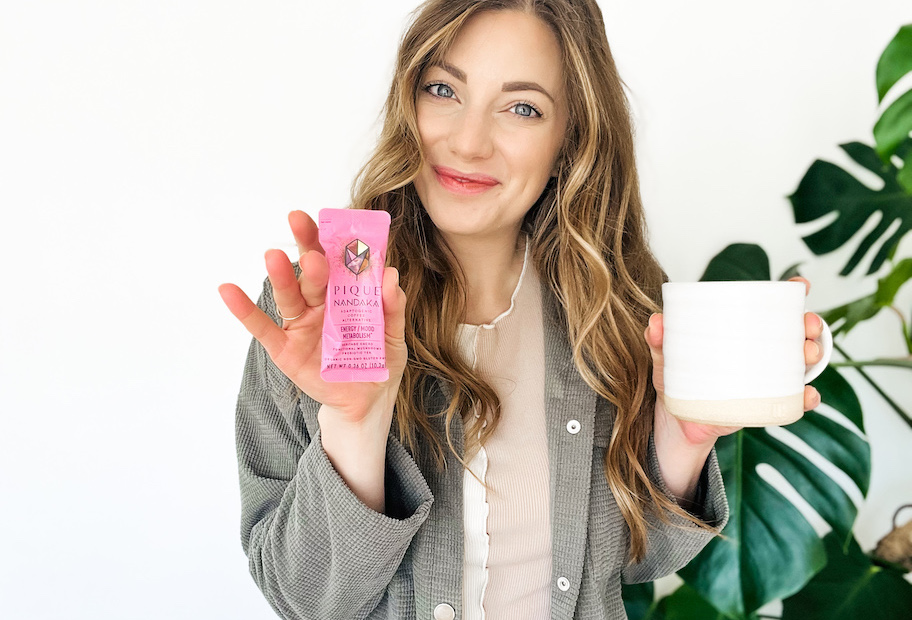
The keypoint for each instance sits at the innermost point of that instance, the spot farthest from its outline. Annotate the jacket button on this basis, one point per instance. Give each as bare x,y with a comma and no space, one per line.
563,584
444,612
573,427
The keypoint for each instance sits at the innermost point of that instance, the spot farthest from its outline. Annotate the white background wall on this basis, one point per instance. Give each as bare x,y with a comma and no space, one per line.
151,150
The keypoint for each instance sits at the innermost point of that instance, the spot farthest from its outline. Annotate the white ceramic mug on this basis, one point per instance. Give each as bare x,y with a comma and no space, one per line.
734,352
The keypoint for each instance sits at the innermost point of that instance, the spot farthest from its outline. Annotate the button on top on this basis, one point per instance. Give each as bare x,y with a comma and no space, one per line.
444,612
573,427
563,584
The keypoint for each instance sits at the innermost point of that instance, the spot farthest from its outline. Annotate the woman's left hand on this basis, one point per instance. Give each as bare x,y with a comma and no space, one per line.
697,434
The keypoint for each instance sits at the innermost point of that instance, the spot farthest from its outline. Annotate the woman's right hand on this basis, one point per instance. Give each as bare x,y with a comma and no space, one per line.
296,347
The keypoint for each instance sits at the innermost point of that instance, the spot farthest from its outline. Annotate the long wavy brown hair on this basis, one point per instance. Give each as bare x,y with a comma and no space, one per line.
588,242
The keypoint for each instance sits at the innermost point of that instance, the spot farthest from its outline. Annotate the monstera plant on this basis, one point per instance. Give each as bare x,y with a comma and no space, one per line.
770,549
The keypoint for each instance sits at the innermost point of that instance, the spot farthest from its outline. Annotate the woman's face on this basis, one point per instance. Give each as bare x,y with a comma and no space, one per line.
491,119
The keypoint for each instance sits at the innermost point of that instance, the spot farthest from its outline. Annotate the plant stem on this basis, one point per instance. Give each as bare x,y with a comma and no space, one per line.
905,328
894,363
896,408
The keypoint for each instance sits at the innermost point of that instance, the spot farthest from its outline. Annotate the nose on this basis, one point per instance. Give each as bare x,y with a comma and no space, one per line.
471,135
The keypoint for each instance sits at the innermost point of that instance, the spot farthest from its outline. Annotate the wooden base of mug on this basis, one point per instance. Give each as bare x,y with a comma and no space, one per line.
777,411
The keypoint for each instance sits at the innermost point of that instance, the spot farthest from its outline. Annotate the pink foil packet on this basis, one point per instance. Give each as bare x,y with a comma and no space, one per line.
354,329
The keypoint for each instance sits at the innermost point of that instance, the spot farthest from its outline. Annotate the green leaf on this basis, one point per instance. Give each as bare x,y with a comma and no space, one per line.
639,601
895,123
893,126
895,62
889,285
842,319
904,176
851,587
791,272
739,261
686,604
768,549
827,188
837,393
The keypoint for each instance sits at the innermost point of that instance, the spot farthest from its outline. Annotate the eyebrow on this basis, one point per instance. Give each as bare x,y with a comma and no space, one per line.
508,87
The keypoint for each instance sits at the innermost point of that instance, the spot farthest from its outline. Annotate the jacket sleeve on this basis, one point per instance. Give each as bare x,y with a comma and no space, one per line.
314,549
670,546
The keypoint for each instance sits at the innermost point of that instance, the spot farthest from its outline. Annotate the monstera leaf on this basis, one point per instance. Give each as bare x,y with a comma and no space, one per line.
683,604
863,588
739,261
847,316
769,550
828,189
895,123
638,600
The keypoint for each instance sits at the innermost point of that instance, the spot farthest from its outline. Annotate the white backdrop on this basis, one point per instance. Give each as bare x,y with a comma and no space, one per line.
150,150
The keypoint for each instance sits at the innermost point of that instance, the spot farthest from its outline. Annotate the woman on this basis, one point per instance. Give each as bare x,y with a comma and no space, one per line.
518,463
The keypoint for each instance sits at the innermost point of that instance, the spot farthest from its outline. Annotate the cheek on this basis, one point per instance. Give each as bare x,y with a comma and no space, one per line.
534,161
430,127
426,137
421,121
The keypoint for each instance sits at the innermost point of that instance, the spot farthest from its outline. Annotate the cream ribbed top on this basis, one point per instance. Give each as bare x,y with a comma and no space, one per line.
507,569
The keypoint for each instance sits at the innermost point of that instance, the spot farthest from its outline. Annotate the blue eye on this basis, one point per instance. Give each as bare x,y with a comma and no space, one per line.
526,110
440,90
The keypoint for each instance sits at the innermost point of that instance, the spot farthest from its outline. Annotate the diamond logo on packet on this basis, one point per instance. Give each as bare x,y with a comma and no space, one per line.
357,256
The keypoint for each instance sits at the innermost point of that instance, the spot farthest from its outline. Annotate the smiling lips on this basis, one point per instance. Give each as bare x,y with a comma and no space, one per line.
462,183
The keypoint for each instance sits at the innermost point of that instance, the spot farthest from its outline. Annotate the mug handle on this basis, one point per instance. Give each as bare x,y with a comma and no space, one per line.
826,343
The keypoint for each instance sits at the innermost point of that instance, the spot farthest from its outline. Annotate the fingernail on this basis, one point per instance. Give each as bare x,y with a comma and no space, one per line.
816,352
